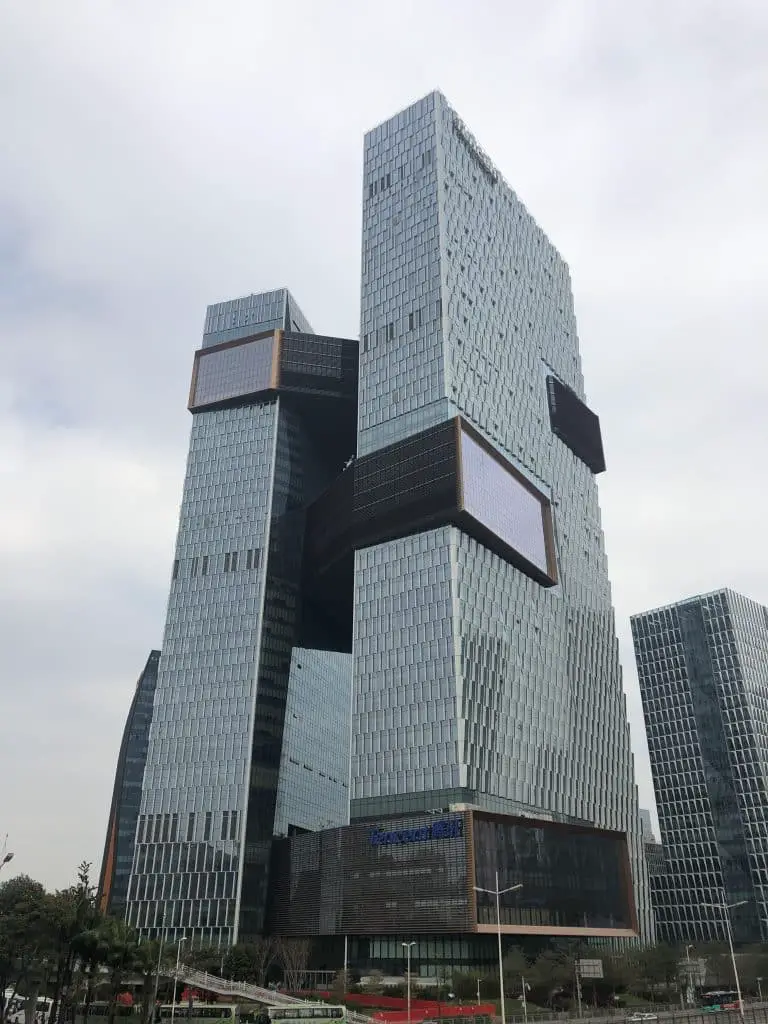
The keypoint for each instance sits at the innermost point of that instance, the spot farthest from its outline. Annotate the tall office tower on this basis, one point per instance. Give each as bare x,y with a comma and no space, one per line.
646,825
703,669
126,794
273,422
486,666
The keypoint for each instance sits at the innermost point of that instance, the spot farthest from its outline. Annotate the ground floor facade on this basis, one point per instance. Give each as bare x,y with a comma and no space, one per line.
371,887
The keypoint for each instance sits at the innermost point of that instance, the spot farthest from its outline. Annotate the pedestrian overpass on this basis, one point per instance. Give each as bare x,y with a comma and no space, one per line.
244,990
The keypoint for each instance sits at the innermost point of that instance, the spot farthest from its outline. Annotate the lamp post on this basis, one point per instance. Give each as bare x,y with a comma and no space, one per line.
7,858
688,982
760,989
497,892
525,1000
163,937
176,976
724,908
408,946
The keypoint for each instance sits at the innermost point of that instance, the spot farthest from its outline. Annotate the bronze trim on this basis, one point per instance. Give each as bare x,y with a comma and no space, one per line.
193,382
469,831
234,343
509,467
565,826
543,929
277,353
459,466
192,407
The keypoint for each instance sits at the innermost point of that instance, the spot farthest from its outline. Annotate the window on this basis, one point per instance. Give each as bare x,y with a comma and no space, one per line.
204,566
207,827
225,825
233,561
174,827
191,827
193,570
226,562
233,825
175,569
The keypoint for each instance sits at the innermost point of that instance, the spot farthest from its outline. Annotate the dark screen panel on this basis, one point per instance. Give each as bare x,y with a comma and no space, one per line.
407,876
318,365
571,877
575,424
233,372
501,502
416,485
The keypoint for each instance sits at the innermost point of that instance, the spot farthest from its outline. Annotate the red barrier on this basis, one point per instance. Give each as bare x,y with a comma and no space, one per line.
442,1011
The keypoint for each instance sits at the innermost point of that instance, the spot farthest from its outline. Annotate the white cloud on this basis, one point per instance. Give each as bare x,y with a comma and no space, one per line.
160,156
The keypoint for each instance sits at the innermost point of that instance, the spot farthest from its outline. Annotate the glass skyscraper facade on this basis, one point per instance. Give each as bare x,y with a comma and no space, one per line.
703,670
126,795
313,782
403,537
273,410
479,677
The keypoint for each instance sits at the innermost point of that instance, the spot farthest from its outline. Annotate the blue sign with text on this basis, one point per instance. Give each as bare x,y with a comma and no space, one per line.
446,828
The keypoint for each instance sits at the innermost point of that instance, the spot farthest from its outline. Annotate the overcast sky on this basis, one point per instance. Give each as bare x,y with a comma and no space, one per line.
158,155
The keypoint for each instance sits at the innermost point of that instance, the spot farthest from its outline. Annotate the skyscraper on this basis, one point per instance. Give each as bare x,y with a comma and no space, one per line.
703,670
273,422
126,794
486,666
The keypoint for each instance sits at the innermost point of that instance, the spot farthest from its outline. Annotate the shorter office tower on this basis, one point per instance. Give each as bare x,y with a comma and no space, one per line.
258,635
703,670
126,794
412,879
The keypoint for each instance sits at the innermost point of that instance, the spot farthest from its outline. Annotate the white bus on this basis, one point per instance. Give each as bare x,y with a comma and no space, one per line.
298,1013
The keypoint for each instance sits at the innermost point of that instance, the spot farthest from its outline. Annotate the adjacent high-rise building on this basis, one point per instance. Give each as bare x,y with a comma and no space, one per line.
126,794
273,422
703,670
486,665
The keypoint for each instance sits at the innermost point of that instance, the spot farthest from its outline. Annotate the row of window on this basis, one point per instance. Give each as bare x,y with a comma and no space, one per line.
411,321
199,565
164,828
383,182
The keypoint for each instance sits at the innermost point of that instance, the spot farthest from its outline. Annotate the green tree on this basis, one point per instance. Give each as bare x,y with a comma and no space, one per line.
71,912
550,975
145,964
250,961
660,965
25,937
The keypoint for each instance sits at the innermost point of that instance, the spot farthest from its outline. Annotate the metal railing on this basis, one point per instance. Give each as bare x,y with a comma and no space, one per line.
244,990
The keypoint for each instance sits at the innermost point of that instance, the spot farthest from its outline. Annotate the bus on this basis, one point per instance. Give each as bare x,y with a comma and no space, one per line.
15,1008
720,999
204,1013
297,1013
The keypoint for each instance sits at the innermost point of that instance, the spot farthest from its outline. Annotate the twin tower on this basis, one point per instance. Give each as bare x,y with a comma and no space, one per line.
389,631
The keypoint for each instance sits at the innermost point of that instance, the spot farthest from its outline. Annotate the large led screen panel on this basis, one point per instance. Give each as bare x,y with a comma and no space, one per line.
495,496
233,372
575,424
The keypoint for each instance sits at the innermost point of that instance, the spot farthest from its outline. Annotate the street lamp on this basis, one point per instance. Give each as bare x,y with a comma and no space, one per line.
760,989
163,937
176,976
497,892
688,982
525,1000
408,946
725,907
6,859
